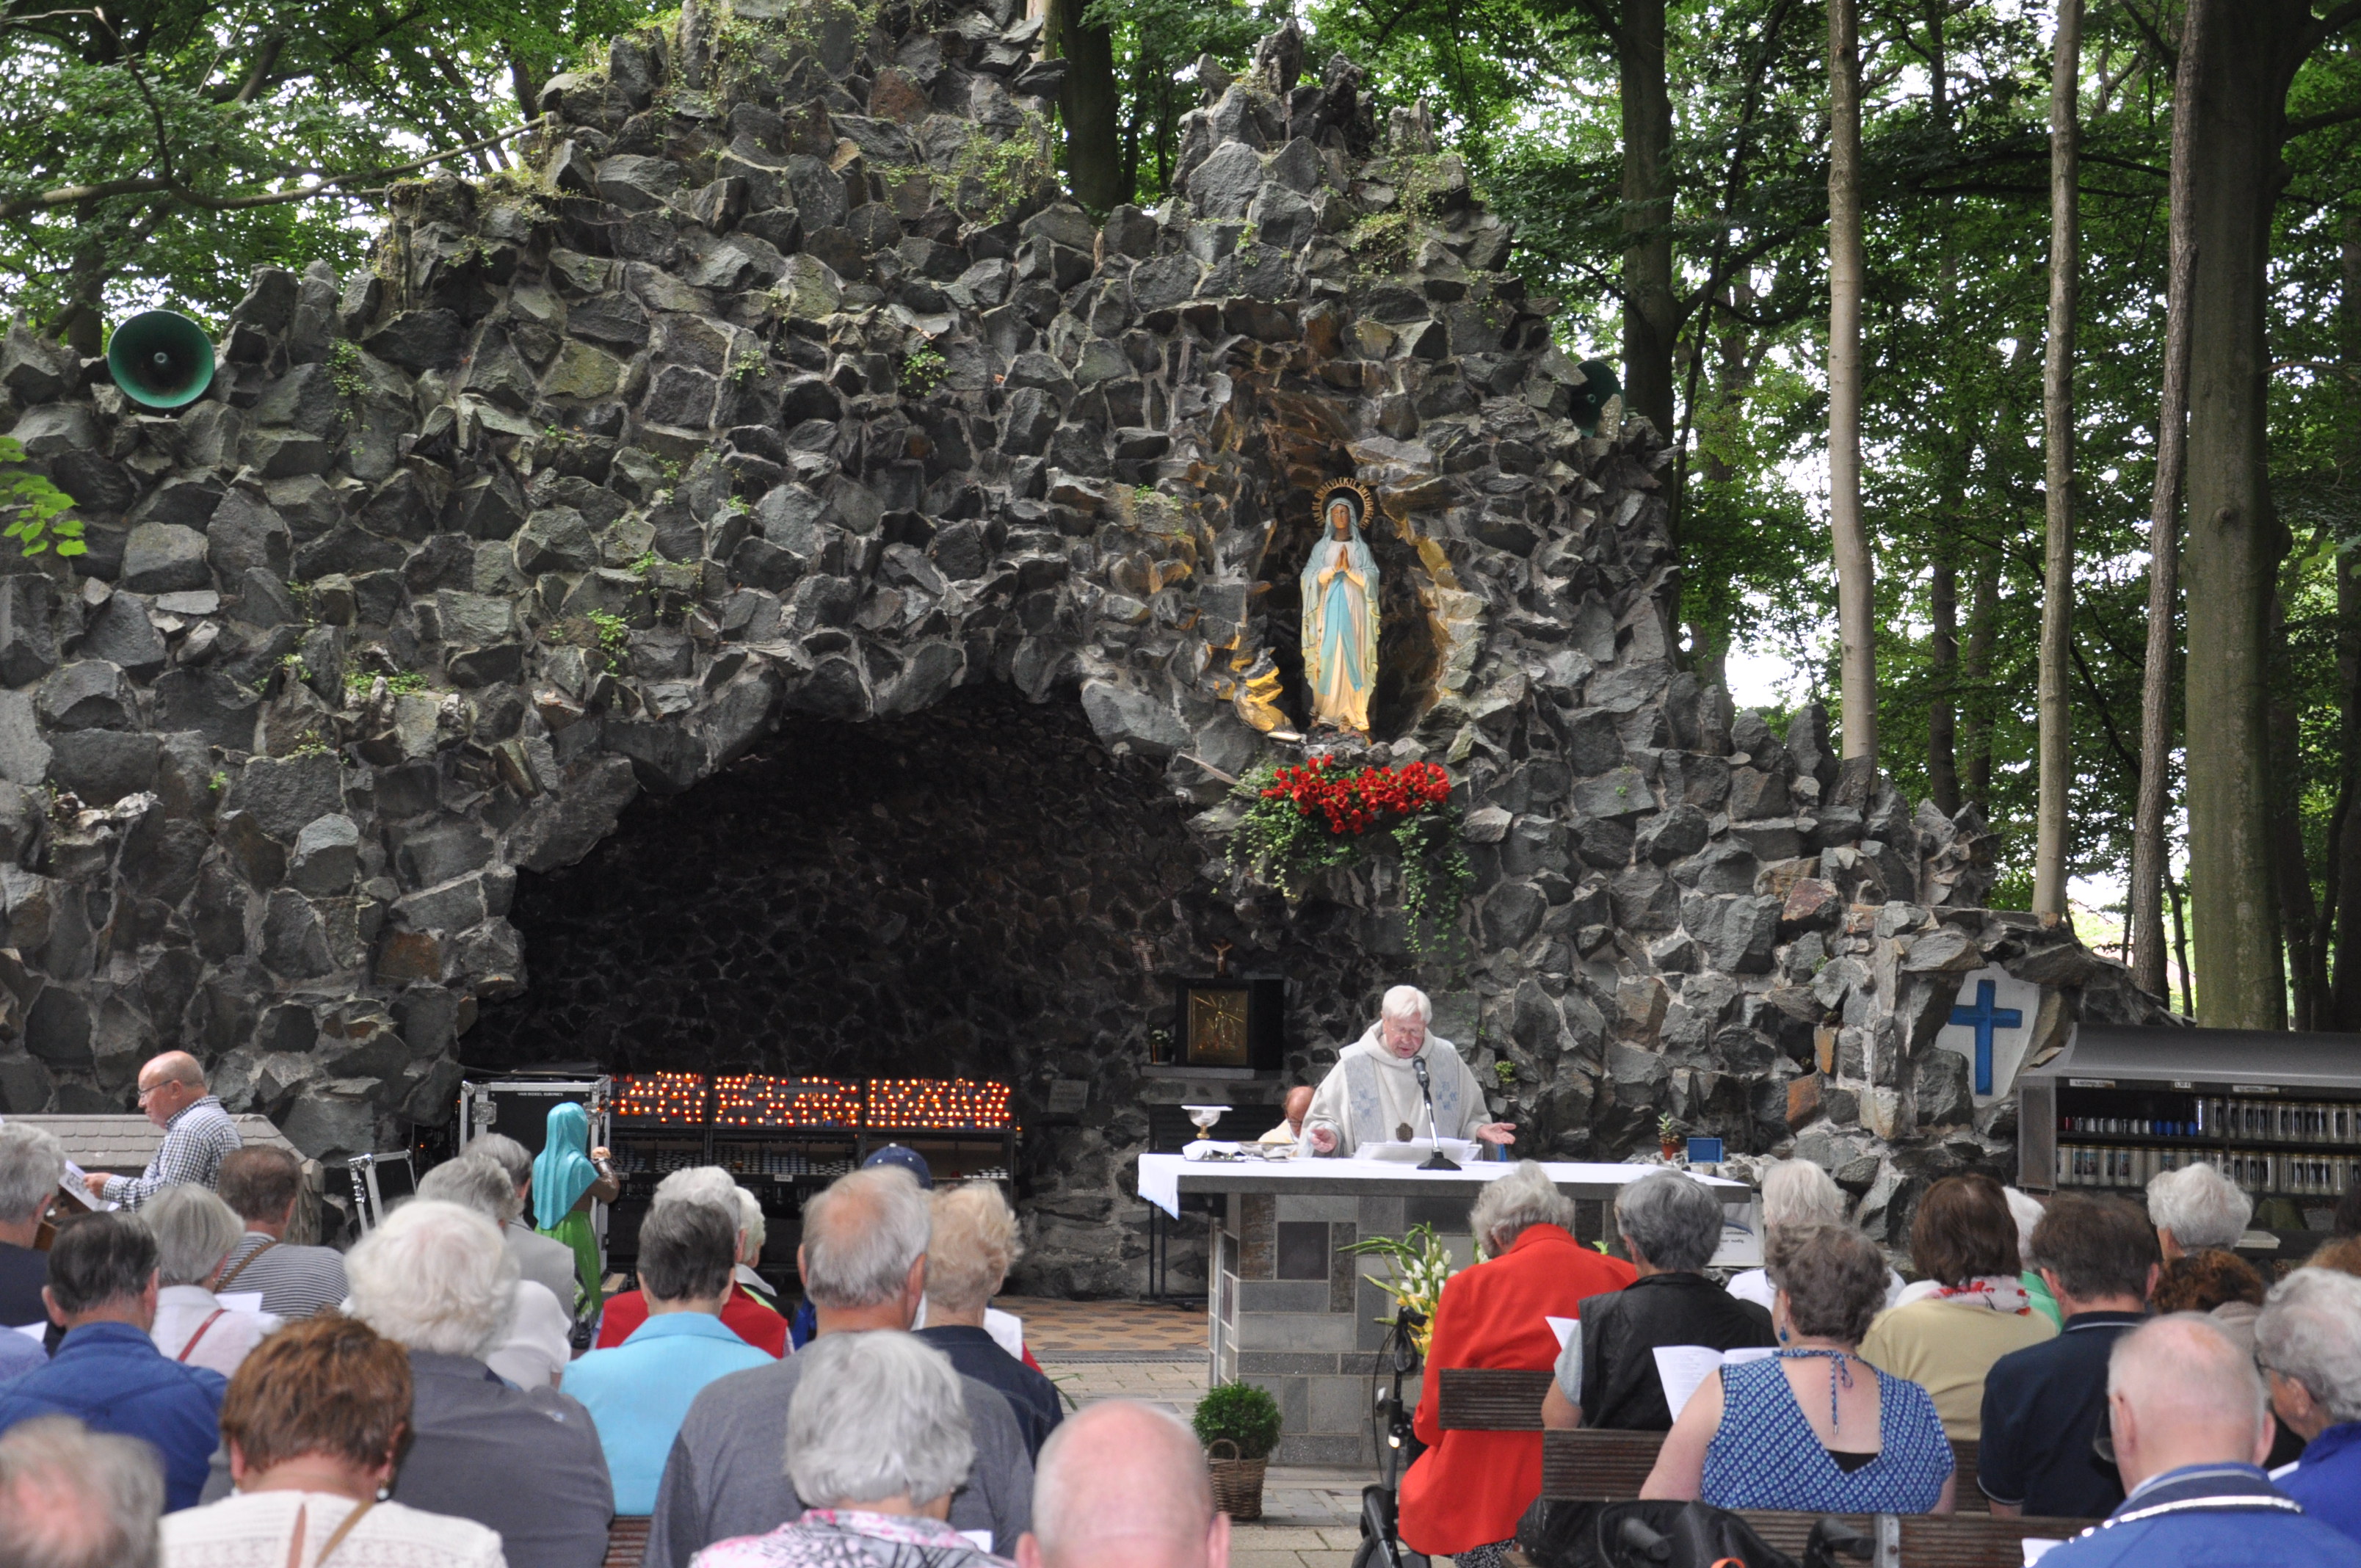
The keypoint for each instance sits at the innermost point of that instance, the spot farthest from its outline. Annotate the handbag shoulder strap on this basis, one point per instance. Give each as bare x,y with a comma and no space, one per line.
223,1283
343,1531
192,1345
335,1539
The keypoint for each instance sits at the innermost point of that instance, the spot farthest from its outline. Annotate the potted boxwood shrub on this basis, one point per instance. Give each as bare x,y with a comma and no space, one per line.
1243,1420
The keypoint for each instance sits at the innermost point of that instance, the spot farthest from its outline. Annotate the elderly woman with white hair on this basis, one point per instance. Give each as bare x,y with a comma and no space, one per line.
1464,1494
969,1251
1609,1374
751,1316
878,1440
1797,1192
195,1232
2308,1343
539,1343
1377,1092
524,1461
2196,1207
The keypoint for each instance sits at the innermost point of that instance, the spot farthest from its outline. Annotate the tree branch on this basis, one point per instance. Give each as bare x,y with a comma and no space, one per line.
2311,122
147,184
2149,31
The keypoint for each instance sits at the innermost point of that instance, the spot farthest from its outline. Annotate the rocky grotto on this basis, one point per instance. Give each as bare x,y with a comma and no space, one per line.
772,584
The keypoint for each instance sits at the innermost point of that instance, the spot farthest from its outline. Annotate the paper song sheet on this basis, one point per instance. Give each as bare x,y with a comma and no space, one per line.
1682,1367
73,1185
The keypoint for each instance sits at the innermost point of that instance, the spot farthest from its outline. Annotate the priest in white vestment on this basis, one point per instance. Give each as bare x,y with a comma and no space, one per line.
1372,1094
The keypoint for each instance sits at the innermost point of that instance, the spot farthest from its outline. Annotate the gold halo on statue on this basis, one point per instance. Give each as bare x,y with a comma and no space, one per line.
1361,493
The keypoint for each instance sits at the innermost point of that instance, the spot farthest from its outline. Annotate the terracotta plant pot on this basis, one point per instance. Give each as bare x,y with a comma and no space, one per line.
1671,1150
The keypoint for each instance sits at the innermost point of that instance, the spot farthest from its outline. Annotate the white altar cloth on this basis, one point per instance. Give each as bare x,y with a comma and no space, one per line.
1159,1175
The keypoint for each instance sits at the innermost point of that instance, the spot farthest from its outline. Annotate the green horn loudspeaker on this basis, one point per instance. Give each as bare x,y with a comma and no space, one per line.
1590,400
161,360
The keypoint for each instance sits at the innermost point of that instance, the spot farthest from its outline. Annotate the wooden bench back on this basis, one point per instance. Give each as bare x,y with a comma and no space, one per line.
627,1541
1960,1540
1483,1399
1600,1466
1606,1466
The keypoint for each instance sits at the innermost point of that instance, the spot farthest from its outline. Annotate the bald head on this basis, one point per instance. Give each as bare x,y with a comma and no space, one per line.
2179,1392
1124,1482
1299,1105
169,1084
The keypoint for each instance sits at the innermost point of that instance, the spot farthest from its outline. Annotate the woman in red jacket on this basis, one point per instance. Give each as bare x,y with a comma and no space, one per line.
1464,1495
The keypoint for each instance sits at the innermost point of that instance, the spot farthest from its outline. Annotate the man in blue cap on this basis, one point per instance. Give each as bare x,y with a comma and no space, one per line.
901,1157
906,1159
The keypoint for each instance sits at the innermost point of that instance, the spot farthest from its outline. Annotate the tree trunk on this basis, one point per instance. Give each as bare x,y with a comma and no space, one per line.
2344,838
1975,682
2151,874
2237,103
1849,535
1088,105
1649,324
2180,950
2307,966
1943,573
1943,665
2053,816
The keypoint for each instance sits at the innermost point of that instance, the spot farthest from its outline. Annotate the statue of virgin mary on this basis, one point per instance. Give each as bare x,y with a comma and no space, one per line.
1340,613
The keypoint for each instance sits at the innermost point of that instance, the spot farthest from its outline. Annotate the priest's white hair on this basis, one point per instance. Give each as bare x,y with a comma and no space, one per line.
1407,1002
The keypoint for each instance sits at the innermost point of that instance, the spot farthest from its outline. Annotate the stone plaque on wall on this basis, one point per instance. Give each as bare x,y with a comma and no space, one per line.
1992,1025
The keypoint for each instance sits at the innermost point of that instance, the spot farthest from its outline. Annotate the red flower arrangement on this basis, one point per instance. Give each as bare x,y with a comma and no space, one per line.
1317,814
1353,803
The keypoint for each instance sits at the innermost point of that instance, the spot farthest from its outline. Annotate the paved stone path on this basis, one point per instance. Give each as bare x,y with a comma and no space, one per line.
1138,1350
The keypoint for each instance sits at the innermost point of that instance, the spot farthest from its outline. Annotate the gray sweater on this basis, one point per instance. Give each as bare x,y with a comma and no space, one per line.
726,1475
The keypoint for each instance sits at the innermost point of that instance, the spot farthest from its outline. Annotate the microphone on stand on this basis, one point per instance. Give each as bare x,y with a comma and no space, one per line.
1438,1160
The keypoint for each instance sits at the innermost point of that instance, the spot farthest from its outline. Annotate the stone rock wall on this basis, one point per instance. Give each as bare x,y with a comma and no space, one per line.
780,392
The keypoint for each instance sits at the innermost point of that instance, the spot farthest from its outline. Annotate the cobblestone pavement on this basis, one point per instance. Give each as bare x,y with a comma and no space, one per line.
1134,1350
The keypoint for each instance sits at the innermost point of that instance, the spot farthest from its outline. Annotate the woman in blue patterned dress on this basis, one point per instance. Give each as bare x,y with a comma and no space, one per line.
1812,1427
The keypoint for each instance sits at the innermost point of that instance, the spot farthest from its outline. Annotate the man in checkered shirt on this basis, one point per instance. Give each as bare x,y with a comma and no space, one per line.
197,1133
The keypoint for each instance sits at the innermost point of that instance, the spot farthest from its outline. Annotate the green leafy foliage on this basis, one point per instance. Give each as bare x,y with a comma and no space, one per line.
610,635
1242,1413
400,682
923,370
34,508
990,176
146,152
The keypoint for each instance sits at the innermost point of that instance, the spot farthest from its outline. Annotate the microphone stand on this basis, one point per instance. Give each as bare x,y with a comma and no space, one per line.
1438,1160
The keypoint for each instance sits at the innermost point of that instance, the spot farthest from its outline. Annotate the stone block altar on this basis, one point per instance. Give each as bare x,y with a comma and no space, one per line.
1293,1314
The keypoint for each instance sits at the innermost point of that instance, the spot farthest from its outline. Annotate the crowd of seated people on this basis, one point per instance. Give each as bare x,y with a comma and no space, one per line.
415,1401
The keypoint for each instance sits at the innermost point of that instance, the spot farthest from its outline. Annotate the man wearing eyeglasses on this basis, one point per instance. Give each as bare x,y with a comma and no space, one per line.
198,1133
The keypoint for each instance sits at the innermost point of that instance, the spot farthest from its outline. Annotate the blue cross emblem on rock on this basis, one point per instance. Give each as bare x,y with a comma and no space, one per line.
1983,1018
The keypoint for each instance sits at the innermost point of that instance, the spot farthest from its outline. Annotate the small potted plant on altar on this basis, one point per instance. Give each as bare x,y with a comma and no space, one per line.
1245,1419
1322,814
1668,1136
